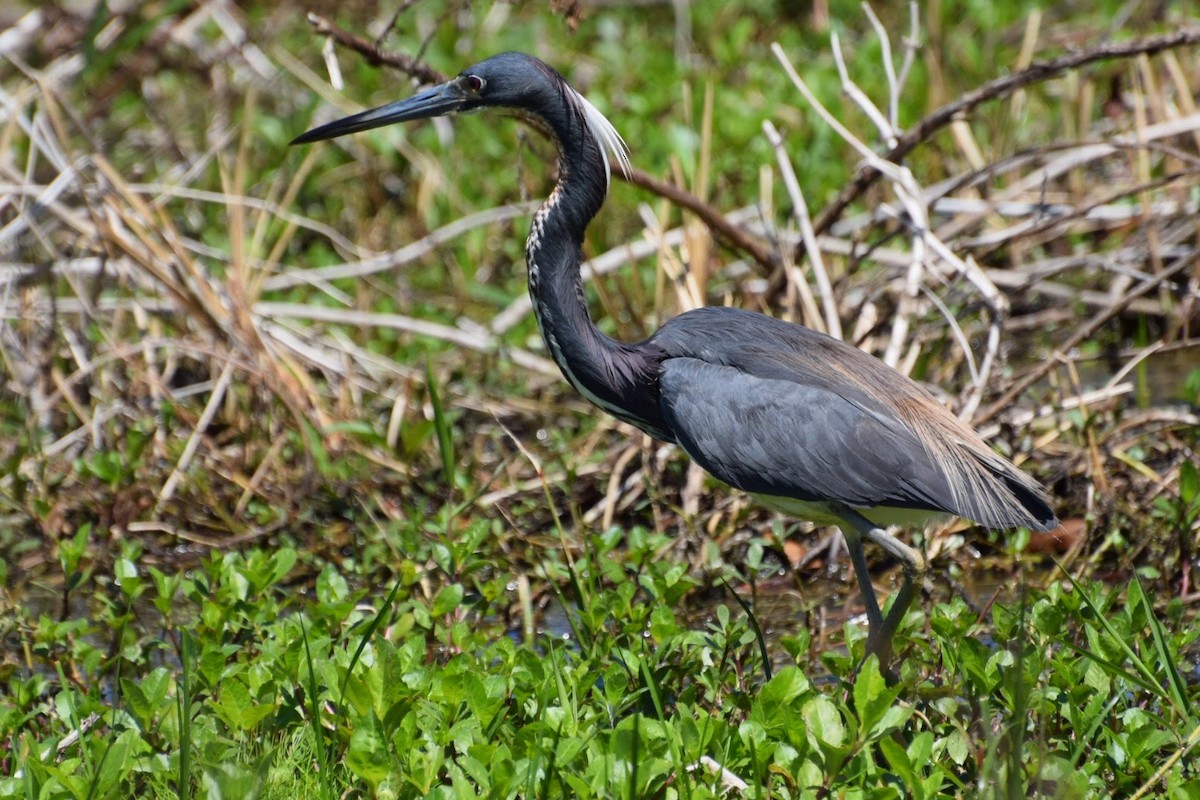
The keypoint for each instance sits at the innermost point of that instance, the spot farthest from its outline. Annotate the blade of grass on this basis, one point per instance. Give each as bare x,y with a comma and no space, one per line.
565,698
681,767
187,655
1149,681
315,719
634,755
75,723
442,426
366,637
1084,744
113,731
754,626
548,780
1167,656
1114,669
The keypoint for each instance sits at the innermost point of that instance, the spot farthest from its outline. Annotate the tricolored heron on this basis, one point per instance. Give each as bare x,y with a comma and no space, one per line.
811,426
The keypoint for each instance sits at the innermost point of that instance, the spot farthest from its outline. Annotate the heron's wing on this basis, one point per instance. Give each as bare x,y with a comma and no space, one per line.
803,437
830,422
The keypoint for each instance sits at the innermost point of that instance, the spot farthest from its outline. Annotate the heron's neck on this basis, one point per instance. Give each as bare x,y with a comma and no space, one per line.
554,249
608,373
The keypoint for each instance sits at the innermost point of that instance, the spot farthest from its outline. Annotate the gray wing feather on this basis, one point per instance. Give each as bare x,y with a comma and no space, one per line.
796,438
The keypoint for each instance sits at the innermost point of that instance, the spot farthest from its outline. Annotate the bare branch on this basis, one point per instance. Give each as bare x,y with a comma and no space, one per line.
999,88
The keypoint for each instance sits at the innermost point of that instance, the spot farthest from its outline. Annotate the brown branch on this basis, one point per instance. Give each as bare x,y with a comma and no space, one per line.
731,234
372,52
734,236
994,90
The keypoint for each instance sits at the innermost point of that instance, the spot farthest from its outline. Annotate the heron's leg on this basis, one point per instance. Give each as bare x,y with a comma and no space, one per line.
859,559
914,566
879,640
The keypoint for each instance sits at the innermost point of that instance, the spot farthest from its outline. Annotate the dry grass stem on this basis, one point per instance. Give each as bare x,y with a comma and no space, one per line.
831,322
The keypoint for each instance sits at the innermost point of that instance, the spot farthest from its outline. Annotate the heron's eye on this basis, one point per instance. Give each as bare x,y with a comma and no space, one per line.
475,83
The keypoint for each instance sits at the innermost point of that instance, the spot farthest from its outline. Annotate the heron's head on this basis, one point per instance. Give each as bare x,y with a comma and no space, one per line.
507,80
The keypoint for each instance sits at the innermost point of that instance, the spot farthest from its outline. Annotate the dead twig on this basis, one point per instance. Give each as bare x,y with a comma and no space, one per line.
480,340
926,248
374,54
1001,87
832,319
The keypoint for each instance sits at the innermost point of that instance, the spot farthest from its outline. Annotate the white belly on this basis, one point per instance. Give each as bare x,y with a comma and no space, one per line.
822,513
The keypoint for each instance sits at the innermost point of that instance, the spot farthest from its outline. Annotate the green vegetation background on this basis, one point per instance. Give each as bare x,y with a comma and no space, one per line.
376,574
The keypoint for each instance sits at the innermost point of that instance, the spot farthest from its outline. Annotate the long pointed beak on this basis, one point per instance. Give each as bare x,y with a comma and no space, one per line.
445,99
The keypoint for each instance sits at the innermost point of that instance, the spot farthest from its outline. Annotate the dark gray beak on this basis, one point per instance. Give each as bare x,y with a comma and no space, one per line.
445,99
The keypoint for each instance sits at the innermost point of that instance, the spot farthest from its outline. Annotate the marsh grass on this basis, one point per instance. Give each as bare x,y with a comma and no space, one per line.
291,496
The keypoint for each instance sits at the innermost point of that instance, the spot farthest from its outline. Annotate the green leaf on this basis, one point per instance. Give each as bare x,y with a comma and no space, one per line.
824,721
136,702
921,748
893,718
478,770
126,574
331,587
956,747
231,779
282,562
1095,677
368,756
485,696
933,783
775,698
316,447
152,689
447,600
662,622
751,731
237,708
442,424
898,760
873,699
358,429
1189,483
115,762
